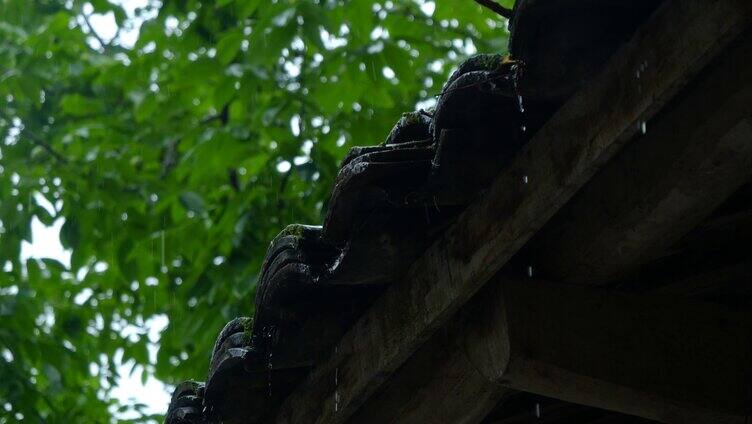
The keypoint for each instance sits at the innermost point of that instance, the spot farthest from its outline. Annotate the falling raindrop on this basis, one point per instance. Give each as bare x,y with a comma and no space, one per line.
523,128
643,127
530,271
525,180
269,377
537,410
163,267
336,389
269,361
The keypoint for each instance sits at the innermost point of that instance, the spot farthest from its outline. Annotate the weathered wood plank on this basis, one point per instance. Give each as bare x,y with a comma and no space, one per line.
657,357
722,229
437,384
441,381
680,39
692,158
563,412
466,366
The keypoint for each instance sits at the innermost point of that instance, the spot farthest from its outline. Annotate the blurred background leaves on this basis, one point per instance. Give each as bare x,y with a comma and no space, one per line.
167,142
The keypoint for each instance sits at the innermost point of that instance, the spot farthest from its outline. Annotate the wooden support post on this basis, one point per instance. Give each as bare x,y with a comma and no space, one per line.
678,41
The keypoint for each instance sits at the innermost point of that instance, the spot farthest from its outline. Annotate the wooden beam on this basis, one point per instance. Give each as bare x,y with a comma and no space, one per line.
708,282
693,157
440,380
437,384
656,357
620,419
678,41
562,412
721,230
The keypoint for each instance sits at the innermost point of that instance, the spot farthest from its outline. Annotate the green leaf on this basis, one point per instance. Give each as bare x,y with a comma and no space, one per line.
228,47
78,105
192,202
247,7
69,233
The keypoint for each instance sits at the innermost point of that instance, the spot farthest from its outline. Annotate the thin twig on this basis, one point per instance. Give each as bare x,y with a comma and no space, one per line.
496,7
94,33
215,117
116,36
38,141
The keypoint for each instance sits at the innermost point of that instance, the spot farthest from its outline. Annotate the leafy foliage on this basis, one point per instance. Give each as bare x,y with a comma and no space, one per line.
172,160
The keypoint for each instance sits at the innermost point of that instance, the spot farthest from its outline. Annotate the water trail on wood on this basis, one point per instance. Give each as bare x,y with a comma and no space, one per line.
642,125
516,72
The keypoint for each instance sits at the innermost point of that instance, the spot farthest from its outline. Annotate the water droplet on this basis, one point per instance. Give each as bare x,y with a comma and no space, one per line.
520,104
643,127
537,410
525,180
530,271
269,365
336,391
523,128
163,268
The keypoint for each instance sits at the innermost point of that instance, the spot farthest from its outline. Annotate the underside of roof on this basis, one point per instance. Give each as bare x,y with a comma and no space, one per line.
565,238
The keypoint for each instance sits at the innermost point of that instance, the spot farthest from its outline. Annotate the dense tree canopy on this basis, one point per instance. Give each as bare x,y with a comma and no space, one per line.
171,156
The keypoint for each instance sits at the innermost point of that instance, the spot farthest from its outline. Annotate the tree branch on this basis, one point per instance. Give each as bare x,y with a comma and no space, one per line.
496,7
93,32
38,141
